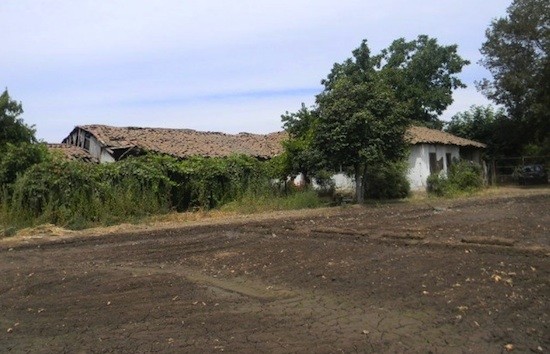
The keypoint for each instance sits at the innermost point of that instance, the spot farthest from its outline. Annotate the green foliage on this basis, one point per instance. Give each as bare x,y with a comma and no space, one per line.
437,184
367,103
55,191
516,53
388,181
16,159
254,202
18,148
488,126
13,129
77,194
463,177
300,154
422,74
360,121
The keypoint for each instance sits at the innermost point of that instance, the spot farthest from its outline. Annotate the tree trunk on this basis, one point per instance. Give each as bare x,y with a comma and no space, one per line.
359,183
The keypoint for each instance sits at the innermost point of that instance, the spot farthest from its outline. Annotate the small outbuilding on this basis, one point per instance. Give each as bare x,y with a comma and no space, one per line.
433,151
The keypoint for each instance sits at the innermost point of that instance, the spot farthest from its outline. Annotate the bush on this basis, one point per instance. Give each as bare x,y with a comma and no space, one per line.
16,159
463,176
77,194
466,176
437,184
387,181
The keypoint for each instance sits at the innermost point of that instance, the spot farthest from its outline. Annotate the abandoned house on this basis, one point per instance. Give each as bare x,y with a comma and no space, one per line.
432,151
109,144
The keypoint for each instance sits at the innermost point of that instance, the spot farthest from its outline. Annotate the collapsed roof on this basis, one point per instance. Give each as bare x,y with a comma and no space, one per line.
71,152
185,143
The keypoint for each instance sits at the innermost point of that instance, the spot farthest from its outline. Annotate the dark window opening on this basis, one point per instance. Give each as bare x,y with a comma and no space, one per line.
435,164
87,141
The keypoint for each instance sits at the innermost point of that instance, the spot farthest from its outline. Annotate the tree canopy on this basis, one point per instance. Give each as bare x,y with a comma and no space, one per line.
368,101
18,148
423,75
13,129
516,53
489,126
360,120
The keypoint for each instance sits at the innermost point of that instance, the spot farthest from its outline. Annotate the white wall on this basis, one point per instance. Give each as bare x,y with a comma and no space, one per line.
95,148
106,156
419,162
342,182
418,171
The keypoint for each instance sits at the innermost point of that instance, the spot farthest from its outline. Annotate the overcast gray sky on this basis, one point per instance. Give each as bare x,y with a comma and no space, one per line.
215,65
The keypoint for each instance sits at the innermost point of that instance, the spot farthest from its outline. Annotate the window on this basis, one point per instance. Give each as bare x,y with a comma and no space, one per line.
449,159
435,164
87,141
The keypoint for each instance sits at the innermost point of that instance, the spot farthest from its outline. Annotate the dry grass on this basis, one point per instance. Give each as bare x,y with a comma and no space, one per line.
200,217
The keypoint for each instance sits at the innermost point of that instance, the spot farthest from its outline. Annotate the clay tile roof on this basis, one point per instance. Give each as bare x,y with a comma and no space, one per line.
419,135
72,152
186,142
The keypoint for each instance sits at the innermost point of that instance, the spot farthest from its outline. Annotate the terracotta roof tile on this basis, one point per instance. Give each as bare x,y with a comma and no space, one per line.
419,135
72,152
186,142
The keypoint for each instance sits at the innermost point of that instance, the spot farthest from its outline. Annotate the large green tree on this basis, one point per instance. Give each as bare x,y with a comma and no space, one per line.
367,103
13,129
516,53
360,120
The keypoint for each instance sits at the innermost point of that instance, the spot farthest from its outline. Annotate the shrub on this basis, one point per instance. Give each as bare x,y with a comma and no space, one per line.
16,159
437,184
466,176
463,176
387,181
77,194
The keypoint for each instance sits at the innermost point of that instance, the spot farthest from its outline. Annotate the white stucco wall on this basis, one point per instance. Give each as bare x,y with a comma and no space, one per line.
342,182
106,156
419,162
95,148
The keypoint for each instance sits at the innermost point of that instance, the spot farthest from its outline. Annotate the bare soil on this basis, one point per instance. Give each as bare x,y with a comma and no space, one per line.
469,275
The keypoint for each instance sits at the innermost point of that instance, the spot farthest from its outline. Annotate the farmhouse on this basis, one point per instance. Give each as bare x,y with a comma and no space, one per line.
109,144
432,151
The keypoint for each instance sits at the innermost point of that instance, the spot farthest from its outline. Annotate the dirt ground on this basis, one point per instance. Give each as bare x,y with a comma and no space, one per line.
444,276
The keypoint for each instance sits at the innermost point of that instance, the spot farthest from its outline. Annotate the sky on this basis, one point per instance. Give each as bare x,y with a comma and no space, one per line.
213,65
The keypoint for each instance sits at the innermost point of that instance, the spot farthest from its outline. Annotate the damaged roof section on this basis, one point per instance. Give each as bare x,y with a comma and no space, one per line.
423,135
185,143
71,152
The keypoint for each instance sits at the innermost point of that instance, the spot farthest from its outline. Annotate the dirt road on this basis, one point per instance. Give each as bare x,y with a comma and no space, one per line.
460,276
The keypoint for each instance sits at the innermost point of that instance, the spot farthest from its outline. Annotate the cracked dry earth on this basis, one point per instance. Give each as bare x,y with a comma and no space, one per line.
468,276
